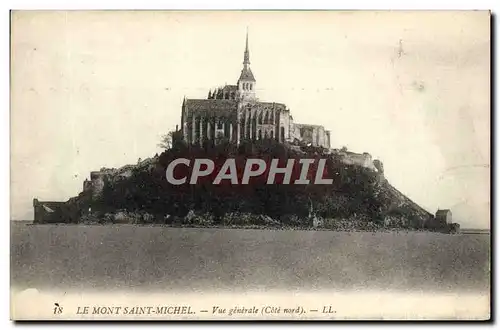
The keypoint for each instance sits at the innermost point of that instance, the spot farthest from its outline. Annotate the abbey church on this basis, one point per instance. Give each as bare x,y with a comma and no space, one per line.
234,113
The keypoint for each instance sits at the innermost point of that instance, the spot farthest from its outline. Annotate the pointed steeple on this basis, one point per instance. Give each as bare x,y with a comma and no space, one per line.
246,73
246,56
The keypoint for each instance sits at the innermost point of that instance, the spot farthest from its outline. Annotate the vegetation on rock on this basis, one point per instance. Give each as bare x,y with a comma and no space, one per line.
358,198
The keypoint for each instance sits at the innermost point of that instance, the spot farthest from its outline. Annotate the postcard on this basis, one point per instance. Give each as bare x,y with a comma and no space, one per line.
250,165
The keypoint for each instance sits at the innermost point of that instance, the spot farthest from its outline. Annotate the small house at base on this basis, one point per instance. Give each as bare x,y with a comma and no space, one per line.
443,216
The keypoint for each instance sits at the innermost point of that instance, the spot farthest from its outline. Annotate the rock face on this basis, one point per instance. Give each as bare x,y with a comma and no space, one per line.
140,193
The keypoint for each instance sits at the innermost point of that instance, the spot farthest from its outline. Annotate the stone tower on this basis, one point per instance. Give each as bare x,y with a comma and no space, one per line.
246,82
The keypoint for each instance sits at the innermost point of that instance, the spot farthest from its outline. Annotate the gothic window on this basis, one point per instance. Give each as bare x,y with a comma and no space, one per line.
242,129
254,127
248,128
266,118
220,124
260,134
282,133
251,86
260,119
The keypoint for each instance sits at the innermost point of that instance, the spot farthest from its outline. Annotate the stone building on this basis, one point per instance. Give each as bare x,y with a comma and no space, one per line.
49,211
235,114
443,217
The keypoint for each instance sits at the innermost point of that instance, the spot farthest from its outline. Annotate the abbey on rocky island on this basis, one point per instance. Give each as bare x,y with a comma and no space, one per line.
234,113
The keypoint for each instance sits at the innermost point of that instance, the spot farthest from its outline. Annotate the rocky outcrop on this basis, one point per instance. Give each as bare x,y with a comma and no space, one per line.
140,194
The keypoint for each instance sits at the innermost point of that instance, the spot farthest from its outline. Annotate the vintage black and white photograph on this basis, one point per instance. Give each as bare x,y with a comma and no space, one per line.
250,165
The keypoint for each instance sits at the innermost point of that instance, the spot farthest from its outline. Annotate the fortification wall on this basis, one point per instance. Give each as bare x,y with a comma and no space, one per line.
49,211
352,158
315,135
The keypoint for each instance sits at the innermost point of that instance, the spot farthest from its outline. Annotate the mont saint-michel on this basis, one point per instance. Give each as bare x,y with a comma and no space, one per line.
232,123
249,165
235,113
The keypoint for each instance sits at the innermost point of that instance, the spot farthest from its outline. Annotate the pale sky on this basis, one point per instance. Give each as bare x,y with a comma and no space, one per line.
98,89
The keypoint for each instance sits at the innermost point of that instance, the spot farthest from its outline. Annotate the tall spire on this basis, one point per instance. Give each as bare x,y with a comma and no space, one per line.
246,57
246,73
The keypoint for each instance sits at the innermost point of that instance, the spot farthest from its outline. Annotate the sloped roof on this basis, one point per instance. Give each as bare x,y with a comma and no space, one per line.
308,125
231,88
212,106
271,104
443,212
48,209
246,74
